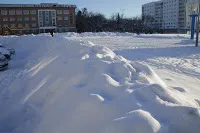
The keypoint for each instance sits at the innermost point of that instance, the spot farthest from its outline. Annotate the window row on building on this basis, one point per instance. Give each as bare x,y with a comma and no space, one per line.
28,12
19,25
11,19
18,12
173,13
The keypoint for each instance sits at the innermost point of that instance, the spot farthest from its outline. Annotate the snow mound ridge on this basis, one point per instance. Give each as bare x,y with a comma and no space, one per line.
63,85
138,121
88,34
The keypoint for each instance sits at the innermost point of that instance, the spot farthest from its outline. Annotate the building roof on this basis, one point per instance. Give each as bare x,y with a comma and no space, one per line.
38,5
152,3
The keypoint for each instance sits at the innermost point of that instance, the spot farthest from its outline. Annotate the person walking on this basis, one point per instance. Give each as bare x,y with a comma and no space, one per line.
52,32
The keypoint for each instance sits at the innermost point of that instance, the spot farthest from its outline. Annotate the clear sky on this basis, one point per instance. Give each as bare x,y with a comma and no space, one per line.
130,8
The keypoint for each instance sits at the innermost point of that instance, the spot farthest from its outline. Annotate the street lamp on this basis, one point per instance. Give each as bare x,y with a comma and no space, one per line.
193,16
192,10
197,34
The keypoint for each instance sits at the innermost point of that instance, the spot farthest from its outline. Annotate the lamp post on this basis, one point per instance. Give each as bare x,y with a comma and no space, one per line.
197,34
193,16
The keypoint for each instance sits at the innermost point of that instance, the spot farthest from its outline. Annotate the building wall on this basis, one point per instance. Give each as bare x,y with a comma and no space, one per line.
159,14
148,9
170,14
155,10
173,15
23,19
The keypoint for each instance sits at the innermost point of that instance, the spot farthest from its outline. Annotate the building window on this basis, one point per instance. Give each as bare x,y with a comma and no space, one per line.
65,11
47,13
26,18
26,12
12,12
12,19
66,18
41,24
20,32
12,25
61,29
33,12
66,22
34,31
53,21
19,12
4,12
59,18
19,19
59,11
46,19
5,19
71,20
20,25
5,25
33,24
53,13
26,25
27,31
40,13
33,18
66,29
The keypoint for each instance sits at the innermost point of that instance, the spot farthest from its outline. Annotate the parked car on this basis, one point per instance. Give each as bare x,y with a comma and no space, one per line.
5,52
3,62
11,50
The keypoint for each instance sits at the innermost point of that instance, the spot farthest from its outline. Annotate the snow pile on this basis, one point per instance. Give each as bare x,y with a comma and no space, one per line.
64,85
112,34
164,36
99,34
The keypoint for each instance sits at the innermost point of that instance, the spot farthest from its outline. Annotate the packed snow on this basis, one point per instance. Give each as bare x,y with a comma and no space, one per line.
100,83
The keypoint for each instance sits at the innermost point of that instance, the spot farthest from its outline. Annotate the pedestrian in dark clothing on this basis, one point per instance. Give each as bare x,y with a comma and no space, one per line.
52,32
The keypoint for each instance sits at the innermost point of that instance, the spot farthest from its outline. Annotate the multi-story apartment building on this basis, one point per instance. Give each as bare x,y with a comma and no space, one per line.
153,11
36,18
149,9
182,18
173,15
170,14
158,14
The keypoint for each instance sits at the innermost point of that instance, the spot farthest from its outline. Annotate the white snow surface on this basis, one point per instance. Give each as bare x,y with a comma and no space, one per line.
73,83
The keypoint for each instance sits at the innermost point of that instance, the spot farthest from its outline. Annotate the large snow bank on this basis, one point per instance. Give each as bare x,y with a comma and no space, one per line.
63,85
95,34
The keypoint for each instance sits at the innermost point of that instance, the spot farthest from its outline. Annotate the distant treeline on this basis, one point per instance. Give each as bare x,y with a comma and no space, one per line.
97,22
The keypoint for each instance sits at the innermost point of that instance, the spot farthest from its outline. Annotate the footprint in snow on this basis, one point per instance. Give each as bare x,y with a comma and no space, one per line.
80,86
179,89
169,79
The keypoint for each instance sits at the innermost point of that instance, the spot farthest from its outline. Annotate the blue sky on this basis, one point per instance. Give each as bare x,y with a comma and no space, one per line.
108,7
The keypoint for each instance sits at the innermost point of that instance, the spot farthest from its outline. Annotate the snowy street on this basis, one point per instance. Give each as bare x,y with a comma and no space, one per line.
101,83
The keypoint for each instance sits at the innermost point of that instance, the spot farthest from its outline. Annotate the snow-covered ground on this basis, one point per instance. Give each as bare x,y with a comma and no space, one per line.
74,83
173,57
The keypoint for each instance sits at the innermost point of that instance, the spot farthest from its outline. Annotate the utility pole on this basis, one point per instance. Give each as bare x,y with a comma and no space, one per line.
198,24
